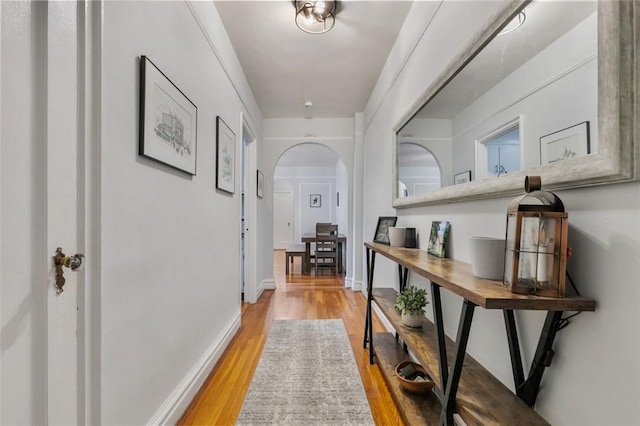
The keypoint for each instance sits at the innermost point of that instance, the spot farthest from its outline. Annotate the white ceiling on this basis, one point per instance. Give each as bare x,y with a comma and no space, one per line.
286,67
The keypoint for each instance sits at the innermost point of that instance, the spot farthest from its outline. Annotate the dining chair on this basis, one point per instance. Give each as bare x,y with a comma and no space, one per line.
326,251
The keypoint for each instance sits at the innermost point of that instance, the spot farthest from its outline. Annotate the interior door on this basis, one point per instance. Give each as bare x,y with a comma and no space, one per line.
282,219
39,212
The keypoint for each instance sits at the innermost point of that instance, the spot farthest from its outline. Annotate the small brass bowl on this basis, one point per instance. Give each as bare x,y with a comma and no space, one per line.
410,386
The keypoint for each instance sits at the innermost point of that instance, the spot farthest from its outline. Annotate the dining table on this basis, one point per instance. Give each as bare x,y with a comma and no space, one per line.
309,238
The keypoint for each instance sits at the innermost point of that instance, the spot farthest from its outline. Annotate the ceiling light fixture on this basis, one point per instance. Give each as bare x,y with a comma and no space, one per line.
514,24
315,17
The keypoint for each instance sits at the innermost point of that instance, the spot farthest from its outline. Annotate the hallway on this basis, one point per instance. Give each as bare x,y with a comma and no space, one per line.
295,297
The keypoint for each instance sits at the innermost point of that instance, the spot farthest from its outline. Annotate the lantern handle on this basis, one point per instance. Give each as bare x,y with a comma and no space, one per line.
532,183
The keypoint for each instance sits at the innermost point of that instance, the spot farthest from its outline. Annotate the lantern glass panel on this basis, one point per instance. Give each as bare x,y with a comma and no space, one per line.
529,233
508,266
511,232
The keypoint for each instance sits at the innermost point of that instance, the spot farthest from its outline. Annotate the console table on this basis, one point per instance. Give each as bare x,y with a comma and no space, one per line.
462,384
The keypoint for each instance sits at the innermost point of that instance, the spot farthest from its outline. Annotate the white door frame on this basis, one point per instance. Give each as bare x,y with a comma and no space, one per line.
292,223
89,325
250,214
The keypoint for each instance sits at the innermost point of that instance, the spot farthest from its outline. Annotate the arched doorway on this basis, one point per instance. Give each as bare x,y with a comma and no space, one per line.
310,185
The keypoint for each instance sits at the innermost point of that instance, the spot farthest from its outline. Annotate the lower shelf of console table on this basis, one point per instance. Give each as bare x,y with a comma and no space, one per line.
463,385
481,398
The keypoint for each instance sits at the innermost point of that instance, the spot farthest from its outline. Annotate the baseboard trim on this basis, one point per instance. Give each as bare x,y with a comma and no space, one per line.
174,407
269,284
356,285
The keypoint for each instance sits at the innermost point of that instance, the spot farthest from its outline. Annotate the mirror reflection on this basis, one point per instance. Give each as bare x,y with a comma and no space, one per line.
418,169
529,98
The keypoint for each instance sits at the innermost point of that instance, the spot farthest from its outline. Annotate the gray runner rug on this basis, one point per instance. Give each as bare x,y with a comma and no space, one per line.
307,375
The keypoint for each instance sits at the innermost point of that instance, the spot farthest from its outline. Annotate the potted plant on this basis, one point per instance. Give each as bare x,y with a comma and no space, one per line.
411,302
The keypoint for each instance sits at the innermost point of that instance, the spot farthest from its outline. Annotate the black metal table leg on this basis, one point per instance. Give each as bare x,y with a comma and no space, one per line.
403,274
542,358
371,262
464,326
514,349
366,321
442,344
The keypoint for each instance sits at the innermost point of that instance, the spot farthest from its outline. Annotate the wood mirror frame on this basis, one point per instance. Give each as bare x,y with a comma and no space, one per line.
618,156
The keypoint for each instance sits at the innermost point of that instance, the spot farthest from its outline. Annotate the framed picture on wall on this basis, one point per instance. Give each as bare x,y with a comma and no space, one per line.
564,144
260,184
315,200
438,238
462,177
382,229
226,157
168,120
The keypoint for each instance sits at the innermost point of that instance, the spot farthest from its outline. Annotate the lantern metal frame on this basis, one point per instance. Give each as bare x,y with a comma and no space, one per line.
546,265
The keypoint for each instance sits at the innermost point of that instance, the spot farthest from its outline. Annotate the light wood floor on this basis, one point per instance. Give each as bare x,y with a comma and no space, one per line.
295,297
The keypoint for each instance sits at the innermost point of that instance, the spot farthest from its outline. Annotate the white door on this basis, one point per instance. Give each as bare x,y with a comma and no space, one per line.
39,211
282,219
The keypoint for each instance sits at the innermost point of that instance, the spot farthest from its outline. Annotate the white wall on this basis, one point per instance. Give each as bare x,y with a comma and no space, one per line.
304,182
283,134
594,378
171,242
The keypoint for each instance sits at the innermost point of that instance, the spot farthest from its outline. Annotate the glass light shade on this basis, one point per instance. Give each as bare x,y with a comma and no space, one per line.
315,17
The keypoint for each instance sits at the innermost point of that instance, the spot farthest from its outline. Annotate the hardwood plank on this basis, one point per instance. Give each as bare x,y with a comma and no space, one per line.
414,409
457,277
482,399
296,296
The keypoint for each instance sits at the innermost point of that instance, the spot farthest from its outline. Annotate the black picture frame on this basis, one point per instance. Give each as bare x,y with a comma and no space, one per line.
571,142
462,177
260,184
382,229
168,128
225,157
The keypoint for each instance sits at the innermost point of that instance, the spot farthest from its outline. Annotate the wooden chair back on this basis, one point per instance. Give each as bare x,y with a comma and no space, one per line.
326,254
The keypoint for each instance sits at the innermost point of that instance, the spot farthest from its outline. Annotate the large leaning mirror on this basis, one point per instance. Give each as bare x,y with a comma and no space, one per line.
553,97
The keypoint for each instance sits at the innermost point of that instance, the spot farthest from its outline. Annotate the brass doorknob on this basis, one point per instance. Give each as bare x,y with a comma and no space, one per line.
72,262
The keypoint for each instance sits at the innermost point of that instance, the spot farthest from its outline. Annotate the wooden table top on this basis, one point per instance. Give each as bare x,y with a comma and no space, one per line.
310,238
456,276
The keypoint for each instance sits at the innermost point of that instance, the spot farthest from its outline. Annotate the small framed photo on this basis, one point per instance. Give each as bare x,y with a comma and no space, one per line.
564,144
260,184
315,200
226,157
382,229
462,177
168,120
438,238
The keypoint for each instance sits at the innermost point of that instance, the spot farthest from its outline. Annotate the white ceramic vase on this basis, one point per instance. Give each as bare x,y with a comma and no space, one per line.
487,257
412,320
396,236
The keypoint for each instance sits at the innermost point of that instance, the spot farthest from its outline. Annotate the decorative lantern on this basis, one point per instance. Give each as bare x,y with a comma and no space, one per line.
536,243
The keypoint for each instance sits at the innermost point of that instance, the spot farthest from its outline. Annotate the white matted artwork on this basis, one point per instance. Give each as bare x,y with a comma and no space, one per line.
226,157
462,177
168,120
564,144
315,200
